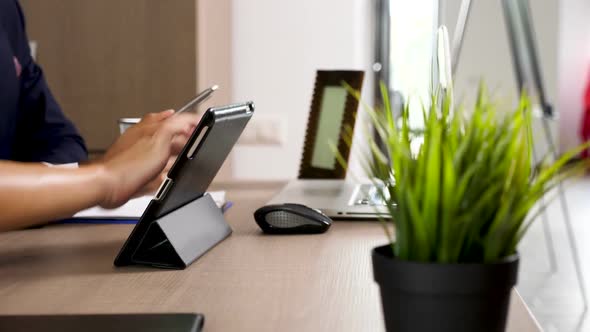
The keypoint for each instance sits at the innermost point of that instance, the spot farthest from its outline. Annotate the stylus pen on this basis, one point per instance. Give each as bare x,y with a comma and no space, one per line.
201,97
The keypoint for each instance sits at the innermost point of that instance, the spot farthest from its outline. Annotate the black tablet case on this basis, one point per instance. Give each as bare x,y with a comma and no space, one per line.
184,222
172,322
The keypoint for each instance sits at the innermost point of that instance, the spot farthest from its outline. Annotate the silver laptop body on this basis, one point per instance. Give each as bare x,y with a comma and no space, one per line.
345,199
338,199
321,184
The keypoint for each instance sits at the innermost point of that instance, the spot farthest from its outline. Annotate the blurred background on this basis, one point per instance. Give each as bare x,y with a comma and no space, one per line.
109,59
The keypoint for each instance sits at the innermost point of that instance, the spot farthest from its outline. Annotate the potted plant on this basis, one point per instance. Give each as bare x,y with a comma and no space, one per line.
460,204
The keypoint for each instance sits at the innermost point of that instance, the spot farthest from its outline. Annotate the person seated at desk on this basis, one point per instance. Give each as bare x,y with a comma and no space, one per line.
34,132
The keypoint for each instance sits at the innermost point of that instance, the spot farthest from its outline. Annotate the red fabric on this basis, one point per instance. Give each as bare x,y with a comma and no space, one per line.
585,130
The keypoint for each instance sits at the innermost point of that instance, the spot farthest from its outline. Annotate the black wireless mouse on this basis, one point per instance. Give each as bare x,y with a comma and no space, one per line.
291,218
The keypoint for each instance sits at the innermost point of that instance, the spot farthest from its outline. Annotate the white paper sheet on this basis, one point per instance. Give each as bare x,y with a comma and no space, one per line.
134,208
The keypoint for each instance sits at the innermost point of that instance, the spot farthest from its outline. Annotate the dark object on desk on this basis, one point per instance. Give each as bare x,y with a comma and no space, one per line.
182,223
291,219
104,323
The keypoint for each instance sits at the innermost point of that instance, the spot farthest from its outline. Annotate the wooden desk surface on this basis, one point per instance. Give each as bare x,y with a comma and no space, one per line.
249,282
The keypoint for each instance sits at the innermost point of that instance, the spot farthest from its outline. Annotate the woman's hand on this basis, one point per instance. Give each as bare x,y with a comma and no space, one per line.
148,125
141,157
33,193
137,138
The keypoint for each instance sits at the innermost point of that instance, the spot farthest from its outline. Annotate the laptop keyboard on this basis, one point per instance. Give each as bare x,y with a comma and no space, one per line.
368,194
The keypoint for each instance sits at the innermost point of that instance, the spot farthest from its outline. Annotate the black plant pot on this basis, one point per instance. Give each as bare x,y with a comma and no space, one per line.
443,297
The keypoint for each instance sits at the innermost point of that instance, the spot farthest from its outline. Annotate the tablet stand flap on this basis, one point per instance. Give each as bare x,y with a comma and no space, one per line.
183,235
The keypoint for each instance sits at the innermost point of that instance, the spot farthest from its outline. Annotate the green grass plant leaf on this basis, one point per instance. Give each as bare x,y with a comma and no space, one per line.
466,194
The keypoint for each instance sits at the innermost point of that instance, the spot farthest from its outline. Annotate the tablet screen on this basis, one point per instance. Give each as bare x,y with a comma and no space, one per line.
193,170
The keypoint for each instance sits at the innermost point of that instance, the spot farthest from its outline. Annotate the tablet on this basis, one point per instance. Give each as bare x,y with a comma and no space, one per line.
194,169
150,322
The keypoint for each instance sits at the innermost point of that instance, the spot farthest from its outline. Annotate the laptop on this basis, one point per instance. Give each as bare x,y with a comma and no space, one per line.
338,199
322,182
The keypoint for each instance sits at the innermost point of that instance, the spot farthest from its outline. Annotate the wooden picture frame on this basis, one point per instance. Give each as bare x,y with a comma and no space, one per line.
325,79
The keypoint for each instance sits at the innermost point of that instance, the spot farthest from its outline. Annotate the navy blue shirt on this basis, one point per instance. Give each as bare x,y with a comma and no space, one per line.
32,125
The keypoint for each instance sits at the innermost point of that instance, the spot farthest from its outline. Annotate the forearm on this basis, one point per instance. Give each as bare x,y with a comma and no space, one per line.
32,193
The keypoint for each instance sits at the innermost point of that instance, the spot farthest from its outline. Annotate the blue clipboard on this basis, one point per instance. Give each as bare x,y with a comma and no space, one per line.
119,221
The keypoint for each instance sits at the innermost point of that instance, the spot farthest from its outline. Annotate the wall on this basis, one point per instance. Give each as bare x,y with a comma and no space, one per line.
574,67
214,51
277,47
110,59
486,55
486,49
563,40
